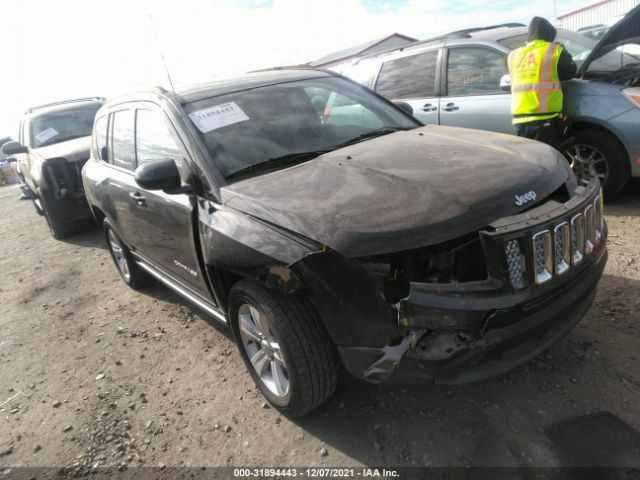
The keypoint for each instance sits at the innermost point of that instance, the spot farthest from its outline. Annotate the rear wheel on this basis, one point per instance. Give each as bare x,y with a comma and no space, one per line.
597,153
284,346
129,271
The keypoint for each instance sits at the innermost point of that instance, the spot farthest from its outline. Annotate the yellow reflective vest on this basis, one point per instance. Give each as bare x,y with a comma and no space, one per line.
536,93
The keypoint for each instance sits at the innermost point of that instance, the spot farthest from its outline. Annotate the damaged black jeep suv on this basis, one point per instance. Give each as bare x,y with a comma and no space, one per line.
329,228
52,147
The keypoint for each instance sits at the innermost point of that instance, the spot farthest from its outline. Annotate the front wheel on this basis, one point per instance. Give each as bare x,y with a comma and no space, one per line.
131,273
58,229
284,346
597,153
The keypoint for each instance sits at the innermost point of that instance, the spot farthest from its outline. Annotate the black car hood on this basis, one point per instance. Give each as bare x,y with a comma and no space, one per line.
402,190
621,32
71,150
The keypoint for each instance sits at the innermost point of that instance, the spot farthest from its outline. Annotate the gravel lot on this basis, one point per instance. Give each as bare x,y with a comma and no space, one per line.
93,373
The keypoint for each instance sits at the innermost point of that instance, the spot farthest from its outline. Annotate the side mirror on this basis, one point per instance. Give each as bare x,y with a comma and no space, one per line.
158,175
505,82
405,107
13,148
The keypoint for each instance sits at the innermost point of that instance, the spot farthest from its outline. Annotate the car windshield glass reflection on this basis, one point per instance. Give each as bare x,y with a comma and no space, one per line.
60,126
250,127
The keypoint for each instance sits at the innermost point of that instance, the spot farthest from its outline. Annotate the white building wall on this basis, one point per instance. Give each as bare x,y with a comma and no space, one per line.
597,13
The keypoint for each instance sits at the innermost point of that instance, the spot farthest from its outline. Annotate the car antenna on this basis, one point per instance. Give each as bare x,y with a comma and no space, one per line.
164,62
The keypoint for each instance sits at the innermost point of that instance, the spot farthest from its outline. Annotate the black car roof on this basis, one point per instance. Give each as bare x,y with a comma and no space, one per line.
247,81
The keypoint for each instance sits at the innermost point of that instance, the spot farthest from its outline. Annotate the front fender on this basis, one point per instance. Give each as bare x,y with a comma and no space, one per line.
243,244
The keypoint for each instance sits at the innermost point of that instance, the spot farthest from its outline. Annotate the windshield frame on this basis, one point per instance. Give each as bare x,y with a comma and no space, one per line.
347,85
36,117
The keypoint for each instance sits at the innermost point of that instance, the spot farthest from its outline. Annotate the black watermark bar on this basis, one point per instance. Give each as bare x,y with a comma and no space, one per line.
402,473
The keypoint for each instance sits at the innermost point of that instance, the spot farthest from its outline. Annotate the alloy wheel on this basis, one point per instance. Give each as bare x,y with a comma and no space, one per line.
119,256
263,350
587,161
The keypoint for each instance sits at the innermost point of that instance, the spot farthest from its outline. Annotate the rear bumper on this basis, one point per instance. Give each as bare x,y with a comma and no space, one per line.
506,338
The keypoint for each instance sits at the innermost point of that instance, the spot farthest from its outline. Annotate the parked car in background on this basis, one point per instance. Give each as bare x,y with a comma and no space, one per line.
4,157
52,146
460,80
327,226
7,174
594,32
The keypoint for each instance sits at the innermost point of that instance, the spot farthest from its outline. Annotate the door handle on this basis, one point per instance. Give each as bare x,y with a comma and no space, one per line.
138,198
429,108
451,107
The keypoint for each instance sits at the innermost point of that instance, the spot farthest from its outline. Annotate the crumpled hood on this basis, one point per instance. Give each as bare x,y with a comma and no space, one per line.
402,190
71,150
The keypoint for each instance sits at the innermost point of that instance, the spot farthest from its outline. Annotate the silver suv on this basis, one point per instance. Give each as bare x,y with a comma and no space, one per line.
460,79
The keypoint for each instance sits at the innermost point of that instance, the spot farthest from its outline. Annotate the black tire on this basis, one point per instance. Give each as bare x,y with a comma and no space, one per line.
58,229
302,340
129,271
615,156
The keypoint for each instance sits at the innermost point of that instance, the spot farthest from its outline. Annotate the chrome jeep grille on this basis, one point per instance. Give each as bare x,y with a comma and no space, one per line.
557,247
577,239
516,263
562,247
542,256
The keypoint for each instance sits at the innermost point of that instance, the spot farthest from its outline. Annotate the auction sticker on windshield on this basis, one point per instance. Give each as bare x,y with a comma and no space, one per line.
46,134
218,116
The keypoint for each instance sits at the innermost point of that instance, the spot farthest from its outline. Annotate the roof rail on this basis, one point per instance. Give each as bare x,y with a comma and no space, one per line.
466,33
62,102
490,27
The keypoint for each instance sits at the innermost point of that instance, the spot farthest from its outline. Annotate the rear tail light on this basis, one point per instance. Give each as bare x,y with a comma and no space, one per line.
633,94
577,239
515,263
562,247
542,256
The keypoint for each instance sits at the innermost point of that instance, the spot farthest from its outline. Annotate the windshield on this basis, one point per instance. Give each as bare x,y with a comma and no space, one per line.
250,127
56,127
580,46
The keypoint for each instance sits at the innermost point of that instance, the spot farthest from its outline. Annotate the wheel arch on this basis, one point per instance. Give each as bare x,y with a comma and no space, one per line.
277,277
98,214
581,125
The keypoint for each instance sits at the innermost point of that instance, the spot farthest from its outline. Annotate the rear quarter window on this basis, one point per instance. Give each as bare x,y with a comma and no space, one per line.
100,137
122,144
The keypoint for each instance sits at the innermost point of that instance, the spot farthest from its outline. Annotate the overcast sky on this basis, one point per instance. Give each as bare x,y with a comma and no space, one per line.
59,49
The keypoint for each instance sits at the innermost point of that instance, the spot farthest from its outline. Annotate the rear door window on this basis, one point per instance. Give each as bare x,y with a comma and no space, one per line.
122,145
409,77
475,71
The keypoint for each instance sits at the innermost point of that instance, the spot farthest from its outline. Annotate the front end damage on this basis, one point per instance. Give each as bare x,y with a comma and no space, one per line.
61,185
466,309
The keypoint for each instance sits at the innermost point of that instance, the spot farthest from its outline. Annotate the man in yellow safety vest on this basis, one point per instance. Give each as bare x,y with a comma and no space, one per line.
537,68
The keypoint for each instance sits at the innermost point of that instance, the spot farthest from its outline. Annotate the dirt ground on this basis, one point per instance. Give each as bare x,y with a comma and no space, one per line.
93,373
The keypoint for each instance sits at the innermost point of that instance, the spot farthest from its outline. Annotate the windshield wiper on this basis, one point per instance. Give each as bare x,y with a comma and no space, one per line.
372,134
278,162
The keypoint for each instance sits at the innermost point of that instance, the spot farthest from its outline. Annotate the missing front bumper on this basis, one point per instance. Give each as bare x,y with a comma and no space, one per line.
506,339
